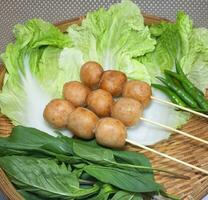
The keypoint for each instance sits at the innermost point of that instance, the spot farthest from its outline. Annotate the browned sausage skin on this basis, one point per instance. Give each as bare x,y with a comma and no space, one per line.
113,82
100,102
82,123
110,132
57,111
90,74
138,90
76,92
127,110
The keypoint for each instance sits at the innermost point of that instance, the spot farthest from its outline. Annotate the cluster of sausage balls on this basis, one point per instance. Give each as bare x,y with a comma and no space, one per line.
102,105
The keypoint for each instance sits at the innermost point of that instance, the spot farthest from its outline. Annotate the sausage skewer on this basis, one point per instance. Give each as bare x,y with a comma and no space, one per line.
136,95
129,112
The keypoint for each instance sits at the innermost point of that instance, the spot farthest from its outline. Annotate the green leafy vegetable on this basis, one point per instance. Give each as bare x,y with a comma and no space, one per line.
44,177
26,139
132,158
172,43
105,192
33,72
29,195
112,38
72,168
179,41
72,151
134,181
93,153
195,62
126,196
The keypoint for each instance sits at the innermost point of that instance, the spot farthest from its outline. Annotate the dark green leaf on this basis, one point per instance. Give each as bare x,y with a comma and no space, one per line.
9,151
80,165
23,138
124,179
131,158
44,177
134,158
92,153
30,141
29,195
77,172
104,193
127,196
10,148
32,173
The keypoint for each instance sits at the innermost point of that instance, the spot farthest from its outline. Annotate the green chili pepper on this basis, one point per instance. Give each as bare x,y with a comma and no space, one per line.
180,71
203,103
191,89
179,91
173,97
174,74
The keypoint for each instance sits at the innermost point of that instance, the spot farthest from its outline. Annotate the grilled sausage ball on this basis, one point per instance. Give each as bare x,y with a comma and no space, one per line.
82,123
113,82
110,132
76,93
127,110
138,90
100,102
90,74
57,111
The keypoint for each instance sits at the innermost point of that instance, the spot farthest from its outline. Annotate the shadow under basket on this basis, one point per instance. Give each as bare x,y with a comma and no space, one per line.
177,146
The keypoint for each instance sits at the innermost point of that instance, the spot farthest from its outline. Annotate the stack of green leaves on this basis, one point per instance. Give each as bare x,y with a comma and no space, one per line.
46,167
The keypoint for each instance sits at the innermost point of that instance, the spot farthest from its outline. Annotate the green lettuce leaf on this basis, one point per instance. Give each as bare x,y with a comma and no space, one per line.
182,42
195,62
36,33
71,59
113,38
33,73
172,43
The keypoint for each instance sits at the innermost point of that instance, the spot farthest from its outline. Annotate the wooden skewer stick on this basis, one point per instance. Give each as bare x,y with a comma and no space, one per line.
167,156
181,107
174,130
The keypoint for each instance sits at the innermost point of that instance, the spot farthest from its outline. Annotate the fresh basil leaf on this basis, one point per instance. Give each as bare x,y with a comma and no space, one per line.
29,195
85,176
9,151
77,172
34,137
92,153
79,166
24,138
134,158
124,179
131,157
104,193
30,136
44,177
127,196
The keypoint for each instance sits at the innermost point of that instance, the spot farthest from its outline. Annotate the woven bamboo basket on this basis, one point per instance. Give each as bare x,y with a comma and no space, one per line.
177,146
